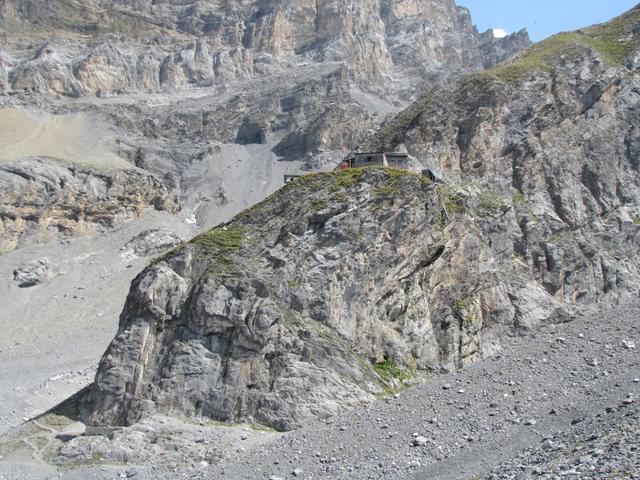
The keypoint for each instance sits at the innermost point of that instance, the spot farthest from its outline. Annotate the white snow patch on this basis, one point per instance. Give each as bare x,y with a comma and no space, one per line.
499,33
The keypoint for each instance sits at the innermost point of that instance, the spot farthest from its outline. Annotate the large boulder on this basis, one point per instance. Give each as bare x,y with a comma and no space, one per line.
34,273
151,242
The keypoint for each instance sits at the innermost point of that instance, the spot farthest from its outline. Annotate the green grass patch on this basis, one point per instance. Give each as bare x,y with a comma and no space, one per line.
613,41
339,198
426,182
220,243
453,202
393,185
492,201
346,179
318,205
518,198
97,458
455,206
636,220
309,177
258,427
464,307
395,174
463,304
228,239
390,372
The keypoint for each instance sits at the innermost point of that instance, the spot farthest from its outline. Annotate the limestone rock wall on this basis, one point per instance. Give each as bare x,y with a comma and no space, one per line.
173,80
283,314
42,199
553,147
167,46
287,323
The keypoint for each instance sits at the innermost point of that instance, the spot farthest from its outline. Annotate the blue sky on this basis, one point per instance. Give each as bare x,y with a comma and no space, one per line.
543,17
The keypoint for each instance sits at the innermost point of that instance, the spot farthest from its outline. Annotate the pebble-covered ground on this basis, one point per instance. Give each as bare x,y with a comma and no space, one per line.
562,404
604,446
463,425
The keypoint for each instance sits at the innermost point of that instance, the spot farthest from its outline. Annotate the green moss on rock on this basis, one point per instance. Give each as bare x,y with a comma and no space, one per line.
464,307
393,184
222,238
491,201
220,243
319,204
346,178
453,202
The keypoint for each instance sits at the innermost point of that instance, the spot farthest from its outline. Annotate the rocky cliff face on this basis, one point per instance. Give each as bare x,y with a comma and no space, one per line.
495,53
344,285
176,80
551,142
284,313
176,44
41,200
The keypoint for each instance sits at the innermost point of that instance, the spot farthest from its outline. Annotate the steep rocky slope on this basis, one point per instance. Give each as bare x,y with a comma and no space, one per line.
343,285
347,286
549,143
61,176
177,81
279,314
146,45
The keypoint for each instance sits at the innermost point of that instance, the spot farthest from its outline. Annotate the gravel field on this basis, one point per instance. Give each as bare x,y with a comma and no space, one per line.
467,423
562,404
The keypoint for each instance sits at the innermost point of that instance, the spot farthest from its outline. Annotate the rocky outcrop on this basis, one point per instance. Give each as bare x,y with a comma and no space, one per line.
282,314
46,73
299,308
151,242
550,140
42,199
34,273
496,52
345,285
321,135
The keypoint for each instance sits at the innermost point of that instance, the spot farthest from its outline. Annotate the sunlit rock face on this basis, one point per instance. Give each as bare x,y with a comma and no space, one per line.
171,83
170,45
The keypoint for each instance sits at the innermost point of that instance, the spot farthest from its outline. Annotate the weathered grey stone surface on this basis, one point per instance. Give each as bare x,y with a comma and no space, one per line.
551,154
42,199
34,273
291,324
345,287
145,45
586,424
151,242
173,80
253,332
283,314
